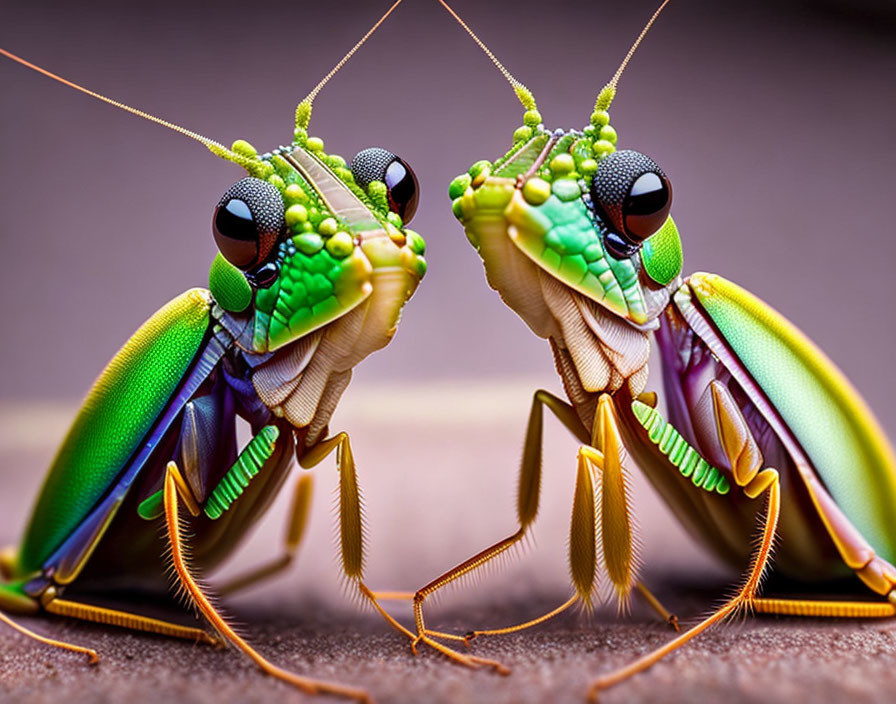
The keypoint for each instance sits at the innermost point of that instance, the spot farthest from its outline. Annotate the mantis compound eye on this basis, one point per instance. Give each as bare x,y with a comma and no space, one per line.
248,222
402,189
633,194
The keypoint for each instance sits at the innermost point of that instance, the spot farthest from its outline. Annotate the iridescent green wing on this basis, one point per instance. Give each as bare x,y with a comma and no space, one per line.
825,413
119,411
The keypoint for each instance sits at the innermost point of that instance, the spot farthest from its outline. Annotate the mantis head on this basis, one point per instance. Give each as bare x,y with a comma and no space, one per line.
306,238
595,217
592,216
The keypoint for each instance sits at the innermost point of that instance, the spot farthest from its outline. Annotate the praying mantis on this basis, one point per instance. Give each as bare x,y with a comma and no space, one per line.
575,234
315,264
672,171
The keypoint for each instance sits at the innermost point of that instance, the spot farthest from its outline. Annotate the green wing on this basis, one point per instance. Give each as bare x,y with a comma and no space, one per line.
825,413
118,412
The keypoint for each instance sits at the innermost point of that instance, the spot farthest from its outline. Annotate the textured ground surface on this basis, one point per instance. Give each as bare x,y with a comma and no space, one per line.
440,486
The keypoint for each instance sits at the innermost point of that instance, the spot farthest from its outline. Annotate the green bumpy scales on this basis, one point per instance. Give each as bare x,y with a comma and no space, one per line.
548,219
314,287
309,212
377,205
561,235
323,272
554,226
275,169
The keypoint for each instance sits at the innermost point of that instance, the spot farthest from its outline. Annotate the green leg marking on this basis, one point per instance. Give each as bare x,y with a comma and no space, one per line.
680,453
247,465
232,485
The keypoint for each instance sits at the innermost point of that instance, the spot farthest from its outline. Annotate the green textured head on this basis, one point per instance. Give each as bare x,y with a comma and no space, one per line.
305,238
595,218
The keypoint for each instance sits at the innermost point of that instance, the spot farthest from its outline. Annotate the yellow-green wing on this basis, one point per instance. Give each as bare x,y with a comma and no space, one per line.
832,423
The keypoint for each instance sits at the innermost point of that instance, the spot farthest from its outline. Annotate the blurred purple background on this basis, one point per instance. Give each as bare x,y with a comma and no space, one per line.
773,119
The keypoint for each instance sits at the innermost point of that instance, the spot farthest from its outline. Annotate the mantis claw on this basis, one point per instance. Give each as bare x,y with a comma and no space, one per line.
499,668
471,661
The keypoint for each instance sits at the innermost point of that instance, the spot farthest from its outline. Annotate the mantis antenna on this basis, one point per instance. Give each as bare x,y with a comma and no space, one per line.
248,161
604,98
608,92
213,146
303,109
524,94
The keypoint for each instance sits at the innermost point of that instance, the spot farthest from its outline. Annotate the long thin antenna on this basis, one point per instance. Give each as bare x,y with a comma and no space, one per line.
303,109
524,94
608,92
213,146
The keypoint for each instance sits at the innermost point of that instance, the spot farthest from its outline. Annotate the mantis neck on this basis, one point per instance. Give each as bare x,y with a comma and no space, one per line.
594,350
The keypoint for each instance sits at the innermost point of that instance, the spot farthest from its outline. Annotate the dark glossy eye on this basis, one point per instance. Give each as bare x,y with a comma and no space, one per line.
402,189
632,193
263,276
248,221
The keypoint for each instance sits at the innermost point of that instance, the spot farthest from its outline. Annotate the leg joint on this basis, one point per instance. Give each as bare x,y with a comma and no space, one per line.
7,560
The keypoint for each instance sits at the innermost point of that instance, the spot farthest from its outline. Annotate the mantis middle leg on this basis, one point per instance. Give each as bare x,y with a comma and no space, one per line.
615,524
175,536
12,600
295,531
350,520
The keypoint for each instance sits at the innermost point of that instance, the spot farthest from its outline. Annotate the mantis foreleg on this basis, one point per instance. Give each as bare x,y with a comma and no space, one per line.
745,460
350,520
175,537
615,520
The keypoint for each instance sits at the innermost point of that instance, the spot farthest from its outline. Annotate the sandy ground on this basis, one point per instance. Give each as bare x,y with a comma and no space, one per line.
439,485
